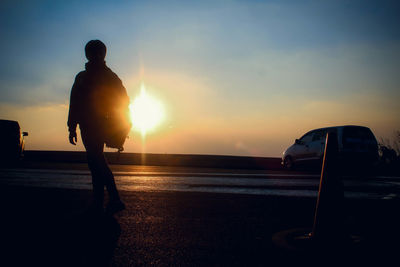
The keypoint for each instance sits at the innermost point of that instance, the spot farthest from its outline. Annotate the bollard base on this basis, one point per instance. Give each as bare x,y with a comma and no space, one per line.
300,241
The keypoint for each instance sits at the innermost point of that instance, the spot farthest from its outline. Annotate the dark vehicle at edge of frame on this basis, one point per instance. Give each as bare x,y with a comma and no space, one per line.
357,148
12,139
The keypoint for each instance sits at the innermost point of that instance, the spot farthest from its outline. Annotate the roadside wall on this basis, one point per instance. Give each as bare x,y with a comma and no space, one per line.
209,161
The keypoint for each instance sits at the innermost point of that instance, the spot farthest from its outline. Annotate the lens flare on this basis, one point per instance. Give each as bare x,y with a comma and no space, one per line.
146,112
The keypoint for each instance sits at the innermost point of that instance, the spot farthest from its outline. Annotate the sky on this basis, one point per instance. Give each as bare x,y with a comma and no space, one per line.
233,77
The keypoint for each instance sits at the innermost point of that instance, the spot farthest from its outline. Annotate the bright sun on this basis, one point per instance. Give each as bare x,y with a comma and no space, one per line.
146,112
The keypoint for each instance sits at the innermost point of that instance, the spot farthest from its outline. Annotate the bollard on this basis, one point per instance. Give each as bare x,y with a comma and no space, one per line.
328,238
328,224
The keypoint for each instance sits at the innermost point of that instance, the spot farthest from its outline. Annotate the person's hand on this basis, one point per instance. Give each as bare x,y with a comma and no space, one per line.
72,138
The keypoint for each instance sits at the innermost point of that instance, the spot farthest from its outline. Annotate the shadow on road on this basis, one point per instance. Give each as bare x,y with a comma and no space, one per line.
52,229
94,239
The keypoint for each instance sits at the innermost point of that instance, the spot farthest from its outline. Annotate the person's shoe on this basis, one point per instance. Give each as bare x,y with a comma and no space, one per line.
114,207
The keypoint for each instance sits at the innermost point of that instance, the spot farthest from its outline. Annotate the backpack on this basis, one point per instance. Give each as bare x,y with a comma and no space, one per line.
117,128
117,123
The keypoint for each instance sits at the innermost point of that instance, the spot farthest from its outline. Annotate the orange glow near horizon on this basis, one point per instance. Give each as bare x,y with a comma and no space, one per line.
146,112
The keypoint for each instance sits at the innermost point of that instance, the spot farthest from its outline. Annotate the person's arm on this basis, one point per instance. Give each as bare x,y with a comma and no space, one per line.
73,111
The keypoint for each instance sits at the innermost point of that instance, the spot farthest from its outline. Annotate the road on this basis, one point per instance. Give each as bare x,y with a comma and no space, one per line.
155,179
183,217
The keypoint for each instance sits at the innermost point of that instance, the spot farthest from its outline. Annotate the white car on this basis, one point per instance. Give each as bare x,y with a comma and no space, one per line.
356,144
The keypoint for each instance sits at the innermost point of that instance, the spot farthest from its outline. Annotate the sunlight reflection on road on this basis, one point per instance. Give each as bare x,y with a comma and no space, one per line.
280,184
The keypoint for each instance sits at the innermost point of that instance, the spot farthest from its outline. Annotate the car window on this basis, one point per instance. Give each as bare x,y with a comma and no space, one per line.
307,138
319,135
358,135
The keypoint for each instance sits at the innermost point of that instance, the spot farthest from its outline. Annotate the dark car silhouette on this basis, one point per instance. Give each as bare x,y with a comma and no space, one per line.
357,146
13,143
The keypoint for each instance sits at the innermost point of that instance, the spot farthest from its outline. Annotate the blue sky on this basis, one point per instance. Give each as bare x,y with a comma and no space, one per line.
236,64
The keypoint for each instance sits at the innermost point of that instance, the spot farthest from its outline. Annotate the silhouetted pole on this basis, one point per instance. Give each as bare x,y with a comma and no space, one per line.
328,220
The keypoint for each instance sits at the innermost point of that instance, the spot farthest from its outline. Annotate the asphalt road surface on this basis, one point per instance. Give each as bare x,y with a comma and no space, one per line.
184,217
156,179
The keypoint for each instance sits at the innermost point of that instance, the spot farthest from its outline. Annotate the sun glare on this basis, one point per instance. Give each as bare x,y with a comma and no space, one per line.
146,112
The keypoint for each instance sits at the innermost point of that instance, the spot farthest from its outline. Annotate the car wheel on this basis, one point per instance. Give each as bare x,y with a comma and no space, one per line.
288,163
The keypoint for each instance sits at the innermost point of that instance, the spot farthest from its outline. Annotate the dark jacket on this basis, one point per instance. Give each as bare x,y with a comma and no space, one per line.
97,94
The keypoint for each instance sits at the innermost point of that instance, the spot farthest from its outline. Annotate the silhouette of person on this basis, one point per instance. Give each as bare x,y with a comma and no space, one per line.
96,93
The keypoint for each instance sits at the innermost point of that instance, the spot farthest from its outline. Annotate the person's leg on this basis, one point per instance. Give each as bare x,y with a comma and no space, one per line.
101,173
94,152
108,179
115,204
97,176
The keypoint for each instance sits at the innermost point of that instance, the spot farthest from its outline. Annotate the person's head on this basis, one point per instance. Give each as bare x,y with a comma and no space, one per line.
95,50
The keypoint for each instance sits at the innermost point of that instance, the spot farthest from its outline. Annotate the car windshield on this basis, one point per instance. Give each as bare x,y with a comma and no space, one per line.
307,137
